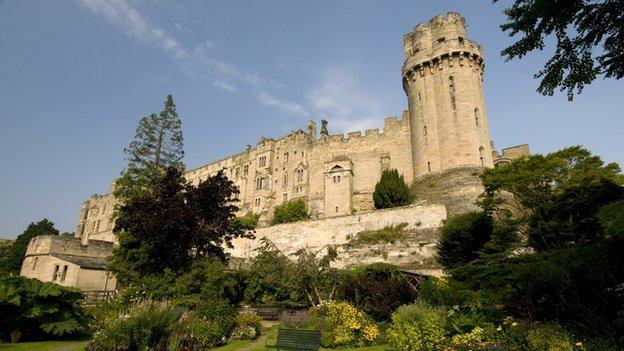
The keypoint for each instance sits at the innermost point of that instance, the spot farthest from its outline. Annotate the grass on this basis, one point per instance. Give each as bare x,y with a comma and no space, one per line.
389,234
71,345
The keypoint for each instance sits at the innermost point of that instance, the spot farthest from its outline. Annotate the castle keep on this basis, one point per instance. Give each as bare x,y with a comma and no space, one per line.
445,129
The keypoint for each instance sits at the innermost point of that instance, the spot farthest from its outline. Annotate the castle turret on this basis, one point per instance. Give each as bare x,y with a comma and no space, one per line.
443,80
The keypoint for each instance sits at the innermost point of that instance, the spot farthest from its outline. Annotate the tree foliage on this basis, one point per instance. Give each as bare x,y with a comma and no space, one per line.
175,223
378,289
11,262
391,190
462,237
553,198
290,211
157,145
31,309
589,38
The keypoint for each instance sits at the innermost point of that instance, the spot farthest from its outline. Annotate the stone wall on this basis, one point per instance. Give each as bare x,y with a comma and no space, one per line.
422,224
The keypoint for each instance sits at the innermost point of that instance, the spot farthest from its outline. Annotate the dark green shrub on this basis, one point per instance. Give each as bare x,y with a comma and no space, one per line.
249,221
31,309
611,218
291,211
417,327
576,285
391,190
461,238
146,325
378,289
221,315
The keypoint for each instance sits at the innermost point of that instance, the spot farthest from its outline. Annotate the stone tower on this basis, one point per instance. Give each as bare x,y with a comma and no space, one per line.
443,80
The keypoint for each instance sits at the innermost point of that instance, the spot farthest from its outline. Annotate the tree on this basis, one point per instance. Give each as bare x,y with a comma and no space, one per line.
313,273
462,237
378,289
611,218
157,145
552,199
291,211
174,224
391,190
589,40
11,262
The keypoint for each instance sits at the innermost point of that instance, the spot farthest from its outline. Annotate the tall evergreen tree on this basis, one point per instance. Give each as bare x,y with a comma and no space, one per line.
12,261
157,145
391,191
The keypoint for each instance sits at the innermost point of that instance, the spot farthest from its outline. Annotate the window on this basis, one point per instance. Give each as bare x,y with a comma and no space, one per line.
452,92
35,261
476,115
285,180
285,197
259,183
481,155
64,274
56,271
245,170
429,166
262,161
425,131
257,202
336,179
236,173
419,97
336,209
285,157
299,175
461,41
441,40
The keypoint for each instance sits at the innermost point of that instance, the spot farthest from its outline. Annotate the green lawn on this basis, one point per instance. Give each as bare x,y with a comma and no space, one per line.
72,345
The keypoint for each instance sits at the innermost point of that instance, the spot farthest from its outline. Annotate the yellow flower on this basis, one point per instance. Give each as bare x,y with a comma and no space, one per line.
579,344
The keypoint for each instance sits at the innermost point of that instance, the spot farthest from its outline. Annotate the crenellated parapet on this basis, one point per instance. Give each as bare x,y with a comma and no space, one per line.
440,42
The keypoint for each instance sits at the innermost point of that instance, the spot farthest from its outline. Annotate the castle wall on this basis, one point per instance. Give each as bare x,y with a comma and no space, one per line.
339,231
66,261
268,175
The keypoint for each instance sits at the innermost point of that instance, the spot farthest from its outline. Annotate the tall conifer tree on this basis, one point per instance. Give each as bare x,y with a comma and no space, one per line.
157,145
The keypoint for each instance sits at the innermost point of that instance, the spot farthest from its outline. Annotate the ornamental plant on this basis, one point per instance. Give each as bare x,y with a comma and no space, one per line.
341,324
291,211
31,309
391,191
417,327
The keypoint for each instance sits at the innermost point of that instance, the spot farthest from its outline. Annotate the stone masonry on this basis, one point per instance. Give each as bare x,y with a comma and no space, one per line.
442,139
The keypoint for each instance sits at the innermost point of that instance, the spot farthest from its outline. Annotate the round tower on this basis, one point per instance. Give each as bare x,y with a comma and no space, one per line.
443,80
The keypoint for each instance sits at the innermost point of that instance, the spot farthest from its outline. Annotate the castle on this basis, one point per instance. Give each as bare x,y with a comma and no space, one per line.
445,129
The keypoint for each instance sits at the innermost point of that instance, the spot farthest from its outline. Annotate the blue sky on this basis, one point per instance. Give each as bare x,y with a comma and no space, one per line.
76,75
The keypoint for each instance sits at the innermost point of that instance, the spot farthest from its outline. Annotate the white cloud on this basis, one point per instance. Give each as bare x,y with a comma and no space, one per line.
346,103
196,62
287,106
125,16
224,86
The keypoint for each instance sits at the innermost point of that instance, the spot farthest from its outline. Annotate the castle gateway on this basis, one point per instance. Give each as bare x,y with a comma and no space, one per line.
445,129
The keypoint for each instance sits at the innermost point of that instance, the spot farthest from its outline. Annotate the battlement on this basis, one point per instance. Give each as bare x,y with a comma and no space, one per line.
443,35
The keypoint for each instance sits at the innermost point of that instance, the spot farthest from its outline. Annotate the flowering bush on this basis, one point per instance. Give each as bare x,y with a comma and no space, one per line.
296,319
248,326
417,327
341,324
145,325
